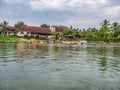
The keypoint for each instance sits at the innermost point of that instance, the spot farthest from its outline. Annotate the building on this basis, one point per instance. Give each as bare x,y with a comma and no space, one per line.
33,31
8,31
58,29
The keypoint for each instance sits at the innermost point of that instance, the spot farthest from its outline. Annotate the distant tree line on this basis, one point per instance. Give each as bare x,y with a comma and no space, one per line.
107,31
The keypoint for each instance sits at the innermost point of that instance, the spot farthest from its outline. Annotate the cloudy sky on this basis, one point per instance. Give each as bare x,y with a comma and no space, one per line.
78,13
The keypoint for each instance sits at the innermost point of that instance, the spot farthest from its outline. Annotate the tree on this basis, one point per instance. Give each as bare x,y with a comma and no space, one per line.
19,23
71,27
4,24
1,26
105,28
69,32
78,34
118,38
56,36
44,25
91,34
115,29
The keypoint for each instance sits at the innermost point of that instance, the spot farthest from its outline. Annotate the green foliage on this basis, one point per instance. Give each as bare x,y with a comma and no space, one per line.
8,38
109,37
4,24
56,35
44,25
19,23
107,32
78,34
37,37
105,28
27,37
115,28
118,37
42,38
69,32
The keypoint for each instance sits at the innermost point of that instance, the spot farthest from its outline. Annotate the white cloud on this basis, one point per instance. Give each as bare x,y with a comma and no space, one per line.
112,11
82,22
45,4
13,1
102,1
79,13
64,4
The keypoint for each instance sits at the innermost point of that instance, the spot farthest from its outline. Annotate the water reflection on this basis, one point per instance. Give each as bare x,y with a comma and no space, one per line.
59,66
31,51
116,51
103,63
105,56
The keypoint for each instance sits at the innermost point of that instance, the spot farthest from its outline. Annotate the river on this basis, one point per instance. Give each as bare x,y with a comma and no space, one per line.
59,67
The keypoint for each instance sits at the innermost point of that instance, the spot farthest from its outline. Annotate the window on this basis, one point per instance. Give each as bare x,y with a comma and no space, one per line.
9,33
21,32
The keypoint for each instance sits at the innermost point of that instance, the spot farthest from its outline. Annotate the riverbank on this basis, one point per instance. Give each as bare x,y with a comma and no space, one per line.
103,43
16,39
4,38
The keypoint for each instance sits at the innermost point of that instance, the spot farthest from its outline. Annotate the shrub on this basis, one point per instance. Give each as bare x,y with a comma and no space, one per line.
27,37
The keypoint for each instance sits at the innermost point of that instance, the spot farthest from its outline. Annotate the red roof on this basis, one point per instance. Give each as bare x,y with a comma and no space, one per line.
10,28
34,29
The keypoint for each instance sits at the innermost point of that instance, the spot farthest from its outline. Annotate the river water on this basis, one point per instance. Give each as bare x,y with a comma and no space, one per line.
59,67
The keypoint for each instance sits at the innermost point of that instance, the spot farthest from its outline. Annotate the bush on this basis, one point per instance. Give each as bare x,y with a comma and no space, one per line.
42,38
27,37
37,37
118,37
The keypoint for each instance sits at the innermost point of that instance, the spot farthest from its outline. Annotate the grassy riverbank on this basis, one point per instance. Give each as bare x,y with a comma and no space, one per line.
8,38
14,38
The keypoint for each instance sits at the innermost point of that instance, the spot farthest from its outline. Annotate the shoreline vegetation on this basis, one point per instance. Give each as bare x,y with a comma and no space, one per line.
107,34
16,39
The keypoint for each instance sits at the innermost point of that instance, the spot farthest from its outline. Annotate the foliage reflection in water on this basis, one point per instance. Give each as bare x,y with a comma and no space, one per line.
63,67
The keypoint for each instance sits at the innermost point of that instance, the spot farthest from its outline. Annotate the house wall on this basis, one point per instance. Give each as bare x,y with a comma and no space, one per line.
58,29
52,28
21,34
7,33
10,33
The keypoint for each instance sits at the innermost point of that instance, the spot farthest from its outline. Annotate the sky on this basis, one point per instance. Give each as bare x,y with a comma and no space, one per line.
76,13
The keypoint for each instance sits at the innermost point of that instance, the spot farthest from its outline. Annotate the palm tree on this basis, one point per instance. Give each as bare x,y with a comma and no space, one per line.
115,27
4,24
105,28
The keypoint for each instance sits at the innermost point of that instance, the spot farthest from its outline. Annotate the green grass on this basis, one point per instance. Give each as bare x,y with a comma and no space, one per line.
14,37
8,38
